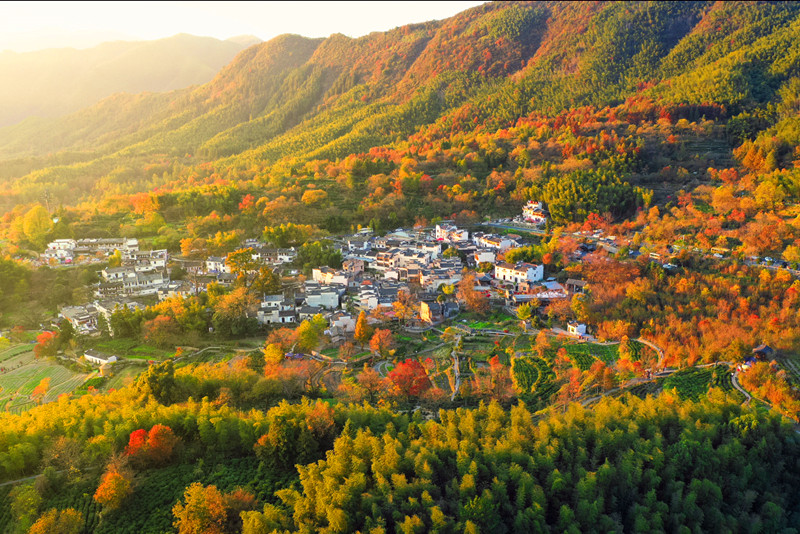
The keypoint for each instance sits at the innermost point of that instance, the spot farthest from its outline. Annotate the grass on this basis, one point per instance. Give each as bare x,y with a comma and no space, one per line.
130,348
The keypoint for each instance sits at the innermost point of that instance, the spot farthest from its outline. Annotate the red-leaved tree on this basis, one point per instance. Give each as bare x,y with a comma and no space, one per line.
409,378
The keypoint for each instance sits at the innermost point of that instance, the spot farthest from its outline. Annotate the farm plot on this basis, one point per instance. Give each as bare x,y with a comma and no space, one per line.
533,378
16,350
691,383
19,382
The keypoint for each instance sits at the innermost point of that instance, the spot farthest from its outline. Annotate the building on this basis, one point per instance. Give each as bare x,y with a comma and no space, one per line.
353,266
521,272
327,276
276,309
576,286
82,318
494,242
533,212
576,329
216,264
450,233
98,358
434,312
484,256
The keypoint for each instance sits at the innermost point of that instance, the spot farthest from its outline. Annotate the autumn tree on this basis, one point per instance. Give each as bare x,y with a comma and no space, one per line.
41,390
152,448
161,331
115,486
409,378
159,381
474,300
25,504
363,331
67,521
273,354
202,510
36,224
46,345
406,305
382,342
234,313
524,312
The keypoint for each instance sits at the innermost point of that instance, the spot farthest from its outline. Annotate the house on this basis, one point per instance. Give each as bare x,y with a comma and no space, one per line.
305,313
763,352
179,288
343,322
576,329
276,309
494,242
576,286
533,212
435,312
328,276
324,296
61,250
519,272
449,233
484,256
353,266
98,358
216,264
82,318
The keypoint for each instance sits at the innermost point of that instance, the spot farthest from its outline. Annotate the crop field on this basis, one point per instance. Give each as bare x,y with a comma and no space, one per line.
24,373
533,378
721,378
691,383
16,350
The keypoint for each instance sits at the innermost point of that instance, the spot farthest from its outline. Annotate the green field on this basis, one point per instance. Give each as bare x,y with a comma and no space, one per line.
129,348
690,383
23,373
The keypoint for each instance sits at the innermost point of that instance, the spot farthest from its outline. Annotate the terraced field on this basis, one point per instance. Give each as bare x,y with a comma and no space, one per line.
23,373
690,383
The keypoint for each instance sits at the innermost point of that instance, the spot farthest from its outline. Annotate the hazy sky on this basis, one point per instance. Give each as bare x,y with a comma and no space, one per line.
28,26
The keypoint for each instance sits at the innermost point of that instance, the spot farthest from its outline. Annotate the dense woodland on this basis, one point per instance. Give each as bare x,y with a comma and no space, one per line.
671,125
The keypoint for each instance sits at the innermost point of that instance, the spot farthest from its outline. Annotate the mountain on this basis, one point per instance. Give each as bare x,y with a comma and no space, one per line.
294,100
54,82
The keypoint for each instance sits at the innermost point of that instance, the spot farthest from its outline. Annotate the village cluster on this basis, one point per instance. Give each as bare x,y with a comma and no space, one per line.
374,272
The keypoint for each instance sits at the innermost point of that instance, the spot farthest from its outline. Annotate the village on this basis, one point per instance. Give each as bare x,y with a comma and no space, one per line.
423,284
374,271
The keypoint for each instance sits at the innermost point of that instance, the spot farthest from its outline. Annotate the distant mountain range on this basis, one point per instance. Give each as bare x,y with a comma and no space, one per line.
54,82
296,99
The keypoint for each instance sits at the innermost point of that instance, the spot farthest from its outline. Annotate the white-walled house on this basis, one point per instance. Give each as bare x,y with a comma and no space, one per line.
533,212
98,358
450,233
484,256
216,264
521,272
576,329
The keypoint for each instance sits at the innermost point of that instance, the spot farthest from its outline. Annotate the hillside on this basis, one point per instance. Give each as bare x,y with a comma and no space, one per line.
532,268
324,99
55,82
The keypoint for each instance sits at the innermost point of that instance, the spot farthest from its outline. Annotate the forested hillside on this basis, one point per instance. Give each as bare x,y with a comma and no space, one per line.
647,379
296,100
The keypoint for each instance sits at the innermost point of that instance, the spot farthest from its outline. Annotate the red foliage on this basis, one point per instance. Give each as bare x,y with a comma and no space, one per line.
46,344
409,378
137,442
